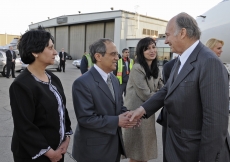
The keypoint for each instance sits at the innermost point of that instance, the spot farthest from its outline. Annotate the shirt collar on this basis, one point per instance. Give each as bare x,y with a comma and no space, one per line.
185,55
103,74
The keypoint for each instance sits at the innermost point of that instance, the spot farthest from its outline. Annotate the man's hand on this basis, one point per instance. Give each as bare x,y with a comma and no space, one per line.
124,121
54,156
63,147
137,114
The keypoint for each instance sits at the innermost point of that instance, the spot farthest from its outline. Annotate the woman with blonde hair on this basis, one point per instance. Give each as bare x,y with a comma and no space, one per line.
215,45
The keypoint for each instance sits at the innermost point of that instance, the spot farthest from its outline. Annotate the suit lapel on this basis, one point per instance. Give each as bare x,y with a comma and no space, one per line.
187,68
101,84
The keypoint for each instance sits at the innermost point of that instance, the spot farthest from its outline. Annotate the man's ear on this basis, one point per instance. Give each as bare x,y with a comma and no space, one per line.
183,33
97,56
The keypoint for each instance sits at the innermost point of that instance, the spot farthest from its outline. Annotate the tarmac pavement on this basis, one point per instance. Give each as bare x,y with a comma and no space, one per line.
67,79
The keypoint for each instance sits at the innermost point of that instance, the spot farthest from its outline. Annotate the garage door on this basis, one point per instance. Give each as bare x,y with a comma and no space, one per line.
109,30
93,33
77,41
62,38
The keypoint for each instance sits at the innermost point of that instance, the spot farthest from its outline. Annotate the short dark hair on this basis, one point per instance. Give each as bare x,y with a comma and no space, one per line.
33,41
98,47
125,49
140,58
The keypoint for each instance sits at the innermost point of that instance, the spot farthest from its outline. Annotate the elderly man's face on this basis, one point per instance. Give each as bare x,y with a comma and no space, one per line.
171,39
108,62
11,48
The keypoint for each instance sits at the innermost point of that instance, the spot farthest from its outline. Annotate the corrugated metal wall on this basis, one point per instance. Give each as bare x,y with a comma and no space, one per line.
77,41
109,30
93,33
62,38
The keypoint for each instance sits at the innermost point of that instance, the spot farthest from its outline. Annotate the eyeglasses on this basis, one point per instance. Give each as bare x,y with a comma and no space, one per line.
113,54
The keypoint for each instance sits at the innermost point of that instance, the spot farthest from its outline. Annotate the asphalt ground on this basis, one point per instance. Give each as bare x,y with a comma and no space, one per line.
67,79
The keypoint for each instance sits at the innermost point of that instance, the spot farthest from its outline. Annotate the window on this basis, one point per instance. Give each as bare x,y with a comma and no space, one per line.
148,31
144,31
152,32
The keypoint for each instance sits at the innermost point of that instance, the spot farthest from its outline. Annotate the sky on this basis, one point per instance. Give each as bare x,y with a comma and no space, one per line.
16,15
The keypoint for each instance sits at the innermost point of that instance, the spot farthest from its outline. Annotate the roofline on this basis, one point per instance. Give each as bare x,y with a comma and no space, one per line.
102,12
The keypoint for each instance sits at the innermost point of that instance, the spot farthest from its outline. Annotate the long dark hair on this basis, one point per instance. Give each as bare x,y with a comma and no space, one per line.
140,58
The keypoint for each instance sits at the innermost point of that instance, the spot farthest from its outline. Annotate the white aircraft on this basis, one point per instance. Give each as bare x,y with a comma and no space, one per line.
215,23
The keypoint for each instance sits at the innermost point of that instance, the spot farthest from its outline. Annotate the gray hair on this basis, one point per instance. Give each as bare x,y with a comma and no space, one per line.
184,20
98,47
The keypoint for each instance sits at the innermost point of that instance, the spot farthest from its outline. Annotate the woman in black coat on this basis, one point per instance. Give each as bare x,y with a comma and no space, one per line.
41,121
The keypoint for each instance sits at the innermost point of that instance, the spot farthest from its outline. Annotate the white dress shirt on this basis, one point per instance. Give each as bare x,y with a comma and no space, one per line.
185,55
103,74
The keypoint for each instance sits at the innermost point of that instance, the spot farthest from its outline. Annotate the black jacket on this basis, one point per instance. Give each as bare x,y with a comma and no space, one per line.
35,115
9,57
60,55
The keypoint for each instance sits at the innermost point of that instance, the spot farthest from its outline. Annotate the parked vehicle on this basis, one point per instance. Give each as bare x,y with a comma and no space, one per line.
68,56
54,66
3,68
77,63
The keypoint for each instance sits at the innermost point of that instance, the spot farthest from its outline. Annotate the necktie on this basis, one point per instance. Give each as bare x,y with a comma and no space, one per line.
176,69
110,85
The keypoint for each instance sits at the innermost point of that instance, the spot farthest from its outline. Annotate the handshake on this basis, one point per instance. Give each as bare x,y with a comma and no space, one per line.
131,119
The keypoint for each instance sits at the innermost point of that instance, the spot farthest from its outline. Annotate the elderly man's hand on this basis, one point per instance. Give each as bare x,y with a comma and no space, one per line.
124,121
137,114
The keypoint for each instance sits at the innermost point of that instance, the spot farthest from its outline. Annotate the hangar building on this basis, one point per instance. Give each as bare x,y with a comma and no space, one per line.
76,32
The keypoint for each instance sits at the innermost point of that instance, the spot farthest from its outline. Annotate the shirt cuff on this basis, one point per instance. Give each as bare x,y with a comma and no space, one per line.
43,151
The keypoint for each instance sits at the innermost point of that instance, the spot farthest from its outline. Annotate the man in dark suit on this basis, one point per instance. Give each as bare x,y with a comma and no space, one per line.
99,108
10,62
62,56
195,97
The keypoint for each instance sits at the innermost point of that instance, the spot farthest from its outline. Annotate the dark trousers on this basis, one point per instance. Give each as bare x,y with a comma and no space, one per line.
62,65
119,152
10,66
123,88
164,130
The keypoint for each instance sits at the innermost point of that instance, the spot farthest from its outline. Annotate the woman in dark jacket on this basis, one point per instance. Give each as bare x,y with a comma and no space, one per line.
41,121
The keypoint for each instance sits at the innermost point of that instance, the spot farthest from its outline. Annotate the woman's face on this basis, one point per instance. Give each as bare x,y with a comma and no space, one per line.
47,57
218,49
151,52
